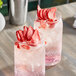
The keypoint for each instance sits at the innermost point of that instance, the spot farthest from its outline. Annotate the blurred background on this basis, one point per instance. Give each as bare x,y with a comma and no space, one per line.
32,5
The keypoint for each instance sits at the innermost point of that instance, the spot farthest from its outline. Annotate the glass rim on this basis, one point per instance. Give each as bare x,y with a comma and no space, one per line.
42,44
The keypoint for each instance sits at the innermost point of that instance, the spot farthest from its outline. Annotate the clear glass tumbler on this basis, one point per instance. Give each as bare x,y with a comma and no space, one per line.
52,37
29,60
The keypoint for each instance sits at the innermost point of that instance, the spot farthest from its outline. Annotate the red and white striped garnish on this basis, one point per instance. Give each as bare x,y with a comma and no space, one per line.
28,35
46,14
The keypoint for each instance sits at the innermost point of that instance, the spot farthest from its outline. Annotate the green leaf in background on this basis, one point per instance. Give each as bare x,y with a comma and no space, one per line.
1,3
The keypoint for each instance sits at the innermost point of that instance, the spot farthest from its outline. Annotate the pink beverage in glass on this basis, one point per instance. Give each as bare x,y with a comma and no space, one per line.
50,26
29,53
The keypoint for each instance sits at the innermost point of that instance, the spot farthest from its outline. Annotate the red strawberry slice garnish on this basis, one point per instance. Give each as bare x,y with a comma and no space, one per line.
56,20
35,39
38,9
40,14
51,20
45,42
36,34
29,35
25,47
19,35
51,24
47,13
29,32
25,32
44,14
51,13
42,24
17,43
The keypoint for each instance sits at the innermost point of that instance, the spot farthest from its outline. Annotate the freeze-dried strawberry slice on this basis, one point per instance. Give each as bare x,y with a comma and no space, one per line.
51,20
44,14
36,35
40,14
25,32
38,9
47,11
19,35
45,42
16,43
51,24
29,35
56,20
25,47
35,39
42,24
51,13
29,32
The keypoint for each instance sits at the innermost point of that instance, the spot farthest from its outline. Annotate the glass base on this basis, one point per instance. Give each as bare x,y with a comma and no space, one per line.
23,71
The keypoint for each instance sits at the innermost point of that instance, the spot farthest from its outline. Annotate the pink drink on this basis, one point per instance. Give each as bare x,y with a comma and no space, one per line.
29,60
53,38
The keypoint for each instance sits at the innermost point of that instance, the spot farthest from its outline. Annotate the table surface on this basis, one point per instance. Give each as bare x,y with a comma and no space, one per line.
67,66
